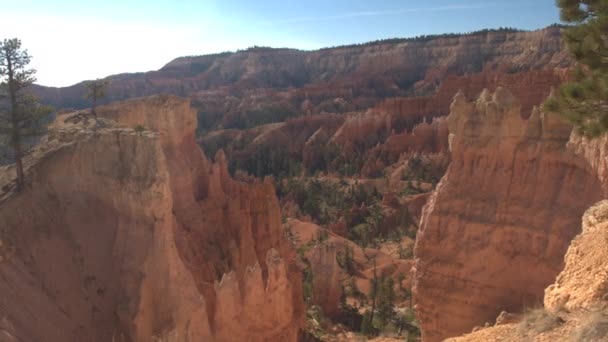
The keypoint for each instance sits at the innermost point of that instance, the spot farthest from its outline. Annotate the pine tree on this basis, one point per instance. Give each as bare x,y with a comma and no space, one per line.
386,301
367,328
401,252
350,314
21,115
584,101
345,260
374,292
348,261
96,91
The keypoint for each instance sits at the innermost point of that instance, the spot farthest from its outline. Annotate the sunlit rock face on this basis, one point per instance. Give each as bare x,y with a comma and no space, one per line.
578,296
494,233
583,284
361,73
129,234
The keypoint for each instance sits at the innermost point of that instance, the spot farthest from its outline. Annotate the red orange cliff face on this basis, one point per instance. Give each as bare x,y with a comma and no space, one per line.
362,75
577,299
136,236
494,233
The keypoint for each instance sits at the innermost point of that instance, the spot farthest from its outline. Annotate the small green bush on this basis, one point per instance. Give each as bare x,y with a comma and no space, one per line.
139,129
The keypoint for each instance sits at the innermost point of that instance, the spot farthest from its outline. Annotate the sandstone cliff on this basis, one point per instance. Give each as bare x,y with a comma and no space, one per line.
362,73
583,284
124,235
494,233
579,297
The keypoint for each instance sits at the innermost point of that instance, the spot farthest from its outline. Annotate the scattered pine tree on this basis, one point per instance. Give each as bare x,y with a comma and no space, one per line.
21,115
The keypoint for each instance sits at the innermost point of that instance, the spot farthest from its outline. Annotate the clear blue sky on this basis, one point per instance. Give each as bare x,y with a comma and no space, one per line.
73,40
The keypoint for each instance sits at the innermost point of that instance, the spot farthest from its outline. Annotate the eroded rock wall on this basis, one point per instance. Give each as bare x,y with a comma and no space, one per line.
583,284
494,233
129,236
579,296
368,72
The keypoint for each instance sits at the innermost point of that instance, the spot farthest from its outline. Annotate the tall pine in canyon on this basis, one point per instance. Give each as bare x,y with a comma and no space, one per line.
584,100
21,116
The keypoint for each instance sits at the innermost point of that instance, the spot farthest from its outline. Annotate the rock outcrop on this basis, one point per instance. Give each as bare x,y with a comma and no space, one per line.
579,297
327,277
494,233
595,152
583,284
528,86
129,234
425,138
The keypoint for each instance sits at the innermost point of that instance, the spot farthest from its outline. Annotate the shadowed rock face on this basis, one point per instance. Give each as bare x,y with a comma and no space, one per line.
494,233
129,236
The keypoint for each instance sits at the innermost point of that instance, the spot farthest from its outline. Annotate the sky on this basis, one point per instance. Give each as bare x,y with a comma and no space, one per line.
75,40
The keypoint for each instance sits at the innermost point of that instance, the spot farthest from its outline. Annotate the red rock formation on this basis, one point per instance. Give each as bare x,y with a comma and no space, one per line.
362,129
131,236
364,73
493,234
595,152
415,204
339,228
531,87
380,135
425,138
372,168
398,124
578,297
328,278
583,284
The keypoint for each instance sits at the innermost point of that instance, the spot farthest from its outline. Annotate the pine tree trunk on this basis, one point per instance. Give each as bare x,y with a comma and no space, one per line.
19,165
375,293
16,137
93,107
17,152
